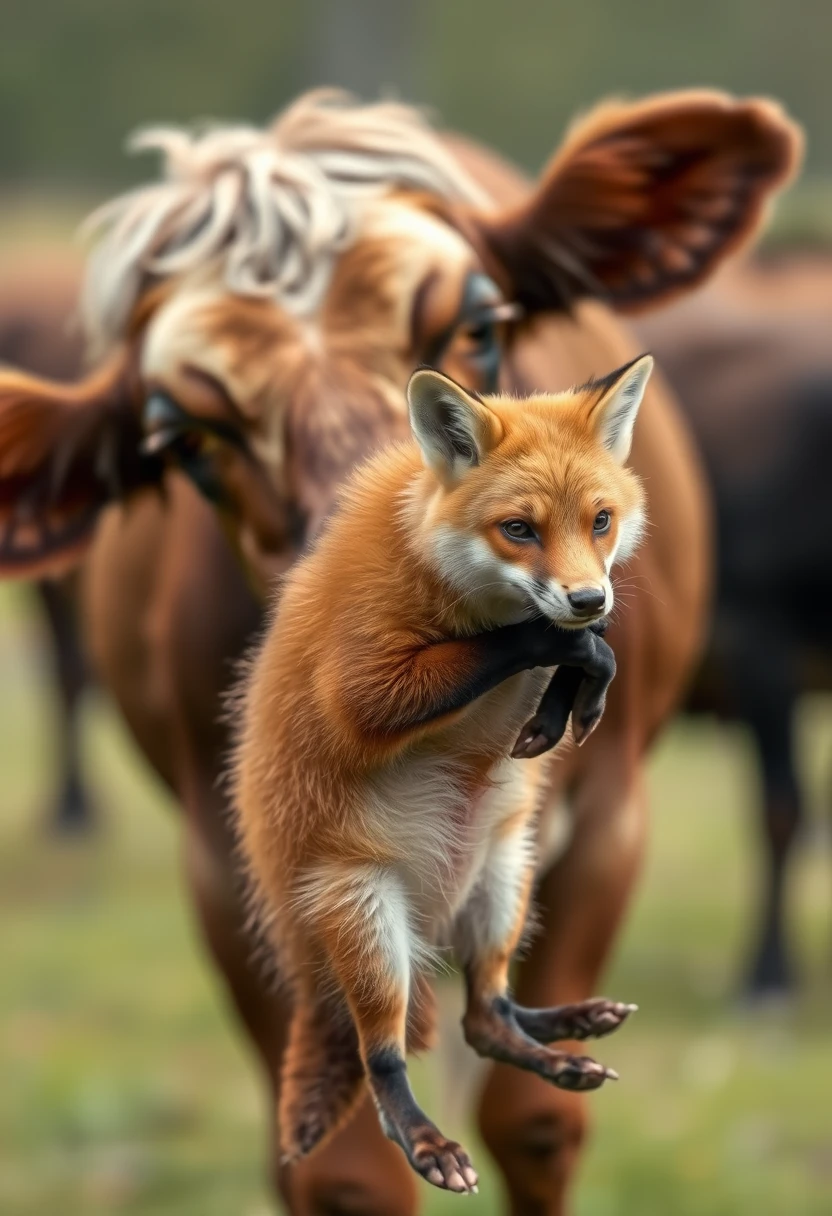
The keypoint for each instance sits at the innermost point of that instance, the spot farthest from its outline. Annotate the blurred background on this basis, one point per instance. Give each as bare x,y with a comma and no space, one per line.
125,1089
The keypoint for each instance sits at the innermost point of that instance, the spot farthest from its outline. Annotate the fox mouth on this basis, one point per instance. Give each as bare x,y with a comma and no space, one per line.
565,617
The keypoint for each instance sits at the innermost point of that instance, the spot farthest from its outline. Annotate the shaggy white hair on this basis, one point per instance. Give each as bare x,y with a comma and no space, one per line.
271,207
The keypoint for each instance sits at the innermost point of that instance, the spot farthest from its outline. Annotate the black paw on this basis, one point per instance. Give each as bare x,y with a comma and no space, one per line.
587,1020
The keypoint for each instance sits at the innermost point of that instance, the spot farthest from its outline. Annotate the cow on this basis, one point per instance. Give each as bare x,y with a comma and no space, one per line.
252,320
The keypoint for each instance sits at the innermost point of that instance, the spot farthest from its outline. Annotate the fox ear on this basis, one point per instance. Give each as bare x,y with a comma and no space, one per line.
614,412
453,429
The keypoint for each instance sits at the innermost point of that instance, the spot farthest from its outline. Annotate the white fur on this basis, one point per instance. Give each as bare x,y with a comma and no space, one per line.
374,910
499,592
630,535
491,914
274,207
619,409
555,828
455,877
424,815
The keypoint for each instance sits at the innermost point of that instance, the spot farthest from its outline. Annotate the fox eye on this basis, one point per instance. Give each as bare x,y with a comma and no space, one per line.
601,523
518,529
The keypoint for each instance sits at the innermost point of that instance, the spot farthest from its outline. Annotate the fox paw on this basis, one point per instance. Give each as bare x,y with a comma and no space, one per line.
443,1163
587,1020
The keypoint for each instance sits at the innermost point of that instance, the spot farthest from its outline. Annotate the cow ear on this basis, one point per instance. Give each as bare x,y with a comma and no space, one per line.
644,200
66,452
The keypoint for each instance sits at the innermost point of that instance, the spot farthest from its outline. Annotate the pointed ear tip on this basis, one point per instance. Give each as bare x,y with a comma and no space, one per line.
643,366
419,378
426,374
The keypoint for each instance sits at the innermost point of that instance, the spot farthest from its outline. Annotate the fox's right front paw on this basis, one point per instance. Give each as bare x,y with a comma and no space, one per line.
548,726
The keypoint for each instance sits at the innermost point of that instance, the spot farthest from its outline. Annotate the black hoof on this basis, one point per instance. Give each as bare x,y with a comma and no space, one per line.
771,977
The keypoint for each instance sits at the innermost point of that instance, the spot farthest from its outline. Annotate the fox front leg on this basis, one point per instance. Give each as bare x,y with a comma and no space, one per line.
579,690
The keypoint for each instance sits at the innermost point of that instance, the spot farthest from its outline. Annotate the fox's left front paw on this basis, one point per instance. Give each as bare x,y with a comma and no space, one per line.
534,740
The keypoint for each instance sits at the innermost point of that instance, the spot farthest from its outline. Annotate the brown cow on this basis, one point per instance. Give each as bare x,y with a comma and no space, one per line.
256,317
39,333
752,361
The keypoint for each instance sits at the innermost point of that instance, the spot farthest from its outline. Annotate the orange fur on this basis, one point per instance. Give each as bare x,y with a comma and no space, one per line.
368,814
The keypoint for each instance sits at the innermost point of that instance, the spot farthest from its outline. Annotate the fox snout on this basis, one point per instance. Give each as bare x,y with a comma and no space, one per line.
587,601
573,605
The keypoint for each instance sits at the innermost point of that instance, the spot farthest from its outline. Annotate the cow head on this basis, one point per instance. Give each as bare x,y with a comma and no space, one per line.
254,317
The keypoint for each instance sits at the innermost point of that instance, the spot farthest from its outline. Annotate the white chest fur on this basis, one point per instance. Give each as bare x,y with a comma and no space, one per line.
441,805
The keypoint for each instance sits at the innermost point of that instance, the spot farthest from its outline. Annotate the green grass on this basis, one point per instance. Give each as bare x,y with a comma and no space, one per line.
125,1089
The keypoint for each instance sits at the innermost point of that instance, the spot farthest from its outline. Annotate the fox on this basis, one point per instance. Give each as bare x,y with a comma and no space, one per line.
444,627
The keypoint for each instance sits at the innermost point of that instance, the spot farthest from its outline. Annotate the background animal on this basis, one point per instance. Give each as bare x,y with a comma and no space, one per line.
248,412
751,360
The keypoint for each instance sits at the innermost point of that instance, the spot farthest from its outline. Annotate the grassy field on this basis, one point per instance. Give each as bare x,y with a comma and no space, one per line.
125,1089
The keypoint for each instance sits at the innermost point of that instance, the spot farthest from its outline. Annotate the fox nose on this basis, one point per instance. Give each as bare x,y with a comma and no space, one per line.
587,600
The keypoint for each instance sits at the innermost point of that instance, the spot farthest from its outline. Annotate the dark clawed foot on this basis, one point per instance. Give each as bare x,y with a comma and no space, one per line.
590,702
583,728
495,1030
443,1163
548,726
533,741
600,627
587,1020
578,1073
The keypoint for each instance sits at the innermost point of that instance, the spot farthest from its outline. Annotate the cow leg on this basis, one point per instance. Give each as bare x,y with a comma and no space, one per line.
72,811
534,1130
768,705
359,1172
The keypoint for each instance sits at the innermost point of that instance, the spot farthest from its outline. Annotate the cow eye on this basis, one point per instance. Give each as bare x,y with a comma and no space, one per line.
187,442
477,329
481,335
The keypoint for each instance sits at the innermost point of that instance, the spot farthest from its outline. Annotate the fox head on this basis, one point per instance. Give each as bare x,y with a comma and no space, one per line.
530,501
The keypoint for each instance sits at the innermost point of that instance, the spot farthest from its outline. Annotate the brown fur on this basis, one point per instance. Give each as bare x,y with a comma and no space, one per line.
168,607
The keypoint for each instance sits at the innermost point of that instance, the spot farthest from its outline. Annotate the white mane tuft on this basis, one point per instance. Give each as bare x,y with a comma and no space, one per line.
271,206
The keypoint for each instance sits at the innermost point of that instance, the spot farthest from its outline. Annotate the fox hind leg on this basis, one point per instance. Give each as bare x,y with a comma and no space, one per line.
365,925
486,936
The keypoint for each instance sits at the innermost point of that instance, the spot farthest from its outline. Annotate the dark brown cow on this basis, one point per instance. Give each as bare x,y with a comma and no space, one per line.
38,300
256,318
751,359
